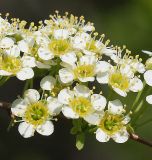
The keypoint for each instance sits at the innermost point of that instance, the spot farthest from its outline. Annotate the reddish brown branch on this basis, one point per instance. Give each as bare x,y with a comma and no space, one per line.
135,137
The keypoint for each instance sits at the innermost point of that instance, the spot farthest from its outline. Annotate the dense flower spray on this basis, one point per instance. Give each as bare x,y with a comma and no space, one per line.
82,77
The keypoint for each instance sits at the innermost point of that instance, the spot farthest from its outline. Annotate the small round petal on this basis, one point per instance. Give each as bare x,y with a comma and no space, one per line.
61,34
45,129
25,73
88,28
82,91
45,54
120,92
54,105
42,65
28,61
6,42
69,113
18,107
26,130
87,79
149,99
126,120
103,66
87,59
103,78
31,96
115,107
69,58
66,75
98,101
65,95
121,136
13,51
47,83
137,85
23,46
101,136
94,118
148,77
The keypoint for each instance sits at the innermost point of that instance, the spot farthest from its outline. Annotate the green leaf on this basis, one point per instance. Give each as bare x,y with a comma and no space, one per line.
80,139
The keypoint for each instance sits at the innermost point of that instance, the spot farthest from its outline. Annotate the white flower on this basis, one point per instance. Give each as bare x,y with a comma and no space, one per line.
35,113
112,124
122,80
81,103
6,43
84,70
16,66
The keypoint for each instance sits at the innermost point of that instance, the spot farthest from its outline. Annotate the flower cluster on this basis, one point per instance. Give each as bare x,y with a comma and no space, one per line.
75,64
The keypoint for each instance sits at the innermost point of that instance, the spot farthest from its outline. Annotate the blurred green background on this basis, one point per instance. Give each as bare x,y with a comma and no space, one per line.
126,22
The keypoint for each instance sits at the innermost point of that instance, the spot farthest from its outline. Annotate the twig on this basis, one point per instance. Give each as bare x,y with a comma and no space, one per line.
135,137
141,140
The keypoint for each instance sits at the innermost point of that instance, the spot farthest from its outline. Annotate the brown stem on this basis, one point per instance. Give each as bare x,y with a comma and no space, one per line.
135,137
141,140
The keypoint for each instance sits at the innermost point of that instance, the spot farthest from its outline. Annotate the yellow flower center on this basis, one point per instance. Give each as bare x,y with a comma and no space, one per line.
81,106
119,81
10,64
60,47
91,46
84,71
37,113
111,123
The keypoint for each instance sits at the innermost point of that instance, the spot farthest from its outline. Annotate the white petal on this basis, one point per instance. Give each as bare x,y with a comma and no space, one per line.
103,66
14,51
88,28
87,59
69,58
149,99
101,136
45,129
147,52
18,107
31,95
98,101
87,79
121,136
5,73
45,54
148,77
26,130
103,78
126,120
6,42
54,105
115,107
82,91
61,34
25,73
66,75
28,61
120,92
69,113
42,65
23,46
65,95
94,118
137,85
47,83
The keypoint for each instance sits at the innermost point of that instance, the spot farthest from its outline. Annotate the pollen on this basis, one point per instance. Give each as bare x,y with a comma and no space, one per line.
37,113
81,106
83,71
10,64
118,80
60,47
111,123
